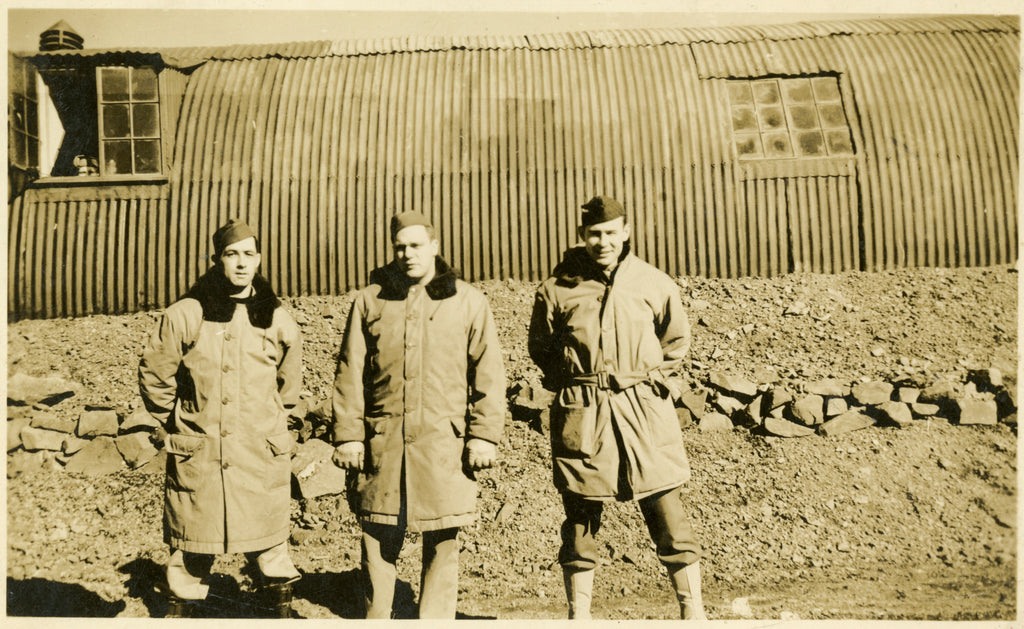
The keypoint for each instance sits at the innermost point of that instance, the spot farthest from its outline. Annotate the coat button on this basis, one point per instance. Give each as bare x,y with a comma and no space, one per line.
224,433
227,336
226,368
225,465
225,401
409,438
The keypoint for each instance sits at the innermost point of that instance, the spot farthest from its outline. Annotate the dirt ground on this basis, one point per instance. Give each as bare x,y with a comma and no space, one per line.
881,523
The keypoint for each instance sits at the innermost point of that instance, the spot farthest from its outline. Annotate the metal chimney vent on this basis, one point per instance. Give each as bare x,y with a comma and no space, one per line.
60,36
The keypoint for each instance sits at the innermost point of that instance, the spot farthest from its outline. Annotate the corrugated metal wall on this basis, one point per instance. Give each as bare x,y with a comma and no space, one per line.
500,142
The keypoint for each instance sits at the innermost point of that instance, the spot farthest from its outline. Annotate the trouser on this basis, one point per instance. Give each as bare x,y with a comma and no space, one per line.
439,578
663,512
188,573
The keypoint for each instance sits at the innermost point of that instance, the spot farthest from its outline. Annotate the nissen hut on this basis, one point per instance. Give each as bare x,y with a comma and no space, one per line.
817,147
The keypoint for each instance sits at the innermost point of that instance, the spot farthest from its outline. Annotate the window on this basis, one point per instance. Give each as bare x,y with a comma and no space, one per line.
22,114
788,118
129,120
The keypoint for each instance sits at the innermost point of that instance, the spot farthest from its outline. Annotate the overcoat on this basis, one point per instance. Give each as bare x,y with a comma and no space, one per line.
219,375
630,330
419,373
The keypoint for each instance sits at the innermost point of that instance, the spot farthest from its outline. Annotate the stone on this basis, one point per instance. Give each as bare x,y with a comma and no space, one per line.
809,410
531,405
97,423
797,308
829,387
315,470
715,422
135,449
896,413
779,397
751,414
73,444
872,392
28,390
766,374
785,428
50,421
778,412
22,462
736,385
139,419
972,412
835,406
694,400
156,465
923,409
847,422
908,395
14,428
98,457
684,416
728,405
986,379
33,439
940,391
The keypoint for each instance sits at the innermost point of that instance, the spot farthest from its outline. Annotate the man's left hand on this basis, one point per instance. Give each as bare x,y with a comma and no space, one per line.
480,454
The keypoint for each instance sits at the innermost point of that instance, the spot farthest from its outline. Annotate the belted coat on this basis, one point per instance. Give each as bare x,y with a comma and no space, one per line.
420,372
219,375
622,442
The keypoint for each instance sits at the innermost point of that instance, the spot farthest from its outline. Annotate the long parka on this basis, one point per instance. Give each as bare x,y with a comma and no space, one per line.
219,375
420,372
605,345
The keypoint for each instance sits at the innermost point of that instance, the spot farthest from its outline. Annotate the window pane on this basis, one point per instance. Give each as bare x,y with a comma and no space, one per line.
766,92
115,121
19,149
114,84
144,121
18,111
825,88
832,115
739,94
748,145
772,118
118,156
777,145
797,90
810,143
803,117
33,153
143,84
839,142
30,84
743,119
147,156
15,77
32,118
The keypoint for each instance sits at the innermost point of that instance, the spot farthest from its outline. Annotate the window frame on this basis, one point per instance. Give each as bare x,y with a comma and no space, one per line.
29,100
132,139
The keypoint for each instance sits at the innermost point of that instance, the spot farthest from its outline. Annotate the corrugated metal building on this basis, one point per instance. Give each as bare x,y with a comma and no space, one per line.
738,151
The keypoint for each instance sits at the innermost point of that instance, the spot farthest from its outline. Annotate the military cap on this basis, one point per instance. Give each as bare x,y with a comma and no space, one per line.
231,232
601,209
409,219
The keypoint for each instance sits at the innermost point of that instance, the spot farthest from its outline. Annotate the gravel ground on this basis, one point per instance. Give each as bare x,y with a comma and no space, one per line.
881,523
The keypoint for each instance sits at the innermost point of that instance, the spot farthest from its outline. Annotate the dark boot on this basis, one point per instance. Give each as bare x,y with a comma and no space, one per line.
180,608
277,600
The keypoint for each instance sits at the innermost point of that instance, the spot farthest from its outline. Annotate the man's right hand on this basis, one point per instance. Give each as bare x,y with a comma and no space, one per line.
349,455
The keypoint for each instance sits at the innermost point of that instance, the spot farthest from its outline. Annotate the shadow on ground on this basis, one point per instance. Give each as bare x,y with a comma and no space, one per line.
39,597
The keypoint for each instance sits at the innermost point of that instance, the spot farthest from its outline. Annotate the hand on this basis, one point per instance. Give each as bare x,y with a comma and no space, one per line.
349,455
157,437
480,454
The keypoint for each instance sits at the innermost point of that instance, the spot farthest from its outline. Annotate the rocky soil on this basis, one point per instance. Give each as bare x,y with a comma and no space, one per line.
885,522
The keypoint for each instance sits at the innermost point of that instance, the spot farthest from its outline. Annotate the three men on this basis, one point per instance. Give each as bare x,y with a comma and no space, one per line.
418,407
606,329
219,374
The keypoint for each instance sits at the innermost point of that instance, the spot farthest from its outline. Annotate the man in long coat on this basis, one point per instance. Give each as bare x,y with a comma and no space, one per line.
418,408
606,330
219,374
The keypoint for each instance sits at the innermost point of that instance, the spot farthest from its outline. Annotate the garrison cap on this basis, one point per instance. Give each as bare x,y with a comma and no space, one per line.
231,232
409,219
601,209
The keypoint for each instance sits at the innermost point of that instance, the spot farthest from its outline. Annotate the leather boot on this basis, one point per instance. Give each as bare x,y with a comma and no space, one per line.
277,600
686,581
579,588
180,608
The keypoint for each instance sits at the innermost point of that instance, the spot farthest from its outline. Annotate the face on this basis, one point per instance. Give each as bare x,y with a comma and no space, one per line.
415,250
239,262
604,241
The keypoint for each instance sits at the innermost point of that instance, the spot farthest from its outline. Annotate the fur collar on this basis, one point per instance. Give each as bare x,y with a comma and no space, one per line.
395,285
577,266
211,291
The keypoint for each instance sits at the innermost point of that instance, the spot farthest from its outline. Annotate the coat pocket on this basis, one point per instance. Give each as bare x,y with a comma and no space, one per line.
573,429
279,468
184,469
281,443
377,436
661,415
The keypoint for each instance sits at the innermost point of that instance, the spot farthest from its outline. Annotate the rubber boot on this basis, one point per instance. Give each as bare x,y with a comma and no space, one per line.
180,608
579,587
686,581
278,599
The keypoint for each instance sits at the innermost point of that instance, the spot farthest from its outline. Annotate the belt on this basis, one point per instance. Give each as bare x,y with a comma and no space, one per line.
617,381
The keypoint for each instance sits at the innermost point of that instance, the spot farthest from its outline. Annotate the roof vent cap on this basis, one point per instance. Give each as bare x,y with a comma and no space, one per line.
60,36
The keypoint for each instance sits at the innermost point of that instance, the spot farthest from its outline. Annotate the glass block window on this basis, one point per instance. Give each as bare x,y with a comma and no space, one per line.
23,117
784,118
129,124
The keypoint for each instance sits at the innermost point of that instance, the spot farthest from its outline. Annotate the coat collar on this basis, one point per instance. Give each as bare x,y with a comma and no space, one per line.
577,266
395,285
211,291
